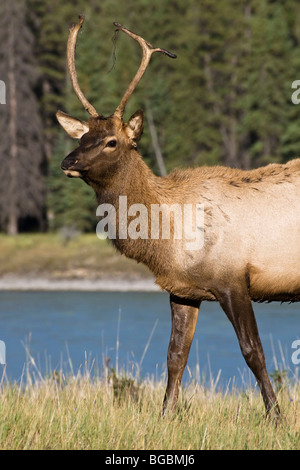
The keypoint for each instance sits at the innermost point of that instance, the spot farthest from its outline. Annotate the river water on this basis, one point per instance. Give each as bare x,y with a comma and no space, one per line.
72,330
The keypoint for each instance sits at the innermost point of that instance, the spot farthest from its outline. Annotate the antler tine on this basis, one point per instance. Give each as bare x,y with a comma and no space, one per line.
72,69
148,50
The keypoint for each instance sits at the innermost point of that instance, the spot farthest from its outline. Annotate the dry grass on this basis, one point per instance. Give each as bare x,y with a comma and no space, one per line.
119,413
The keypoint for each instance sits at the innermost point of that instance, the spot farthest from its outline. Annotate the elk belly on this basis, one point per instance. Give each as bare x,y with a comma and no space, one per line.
275,282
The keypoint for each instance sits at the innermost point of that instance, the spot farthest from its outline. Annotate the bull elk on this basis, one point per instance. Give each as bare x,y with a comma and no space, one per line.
251,249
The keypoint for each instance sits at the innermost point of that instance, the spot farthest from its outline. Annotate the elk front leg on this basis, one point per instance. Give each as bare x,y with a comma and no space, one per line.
238,308
184,319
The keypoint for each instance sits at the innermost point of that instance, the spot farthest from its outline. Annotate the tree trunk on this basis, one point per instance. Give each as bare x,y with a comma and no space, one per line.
12,224
158,154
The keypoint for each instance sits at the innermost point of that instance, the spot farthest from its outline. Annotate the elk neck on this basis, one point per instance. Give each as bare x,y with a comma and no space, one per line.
131,178
140,185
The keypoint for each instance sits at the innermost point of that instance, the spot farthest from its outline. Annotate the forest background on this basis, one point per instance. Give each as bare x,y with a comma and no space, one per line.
226,99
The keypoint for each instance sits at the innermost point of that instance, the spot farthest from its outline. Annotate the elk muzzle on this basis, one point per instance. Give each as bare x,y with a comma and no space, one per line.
71,166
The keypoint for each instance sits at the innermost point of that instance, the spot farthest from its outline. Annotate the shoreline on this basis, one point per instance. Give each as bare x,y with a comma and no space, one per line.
23,283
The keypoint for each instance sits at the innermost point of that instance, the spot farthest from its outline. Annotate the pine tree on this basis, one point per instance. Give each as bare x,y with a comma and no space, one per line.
289,141
268,83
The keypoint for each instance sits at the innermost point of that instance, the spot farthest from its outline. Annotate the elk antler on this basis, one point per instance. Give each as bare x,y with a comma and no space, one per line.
71,65
148,50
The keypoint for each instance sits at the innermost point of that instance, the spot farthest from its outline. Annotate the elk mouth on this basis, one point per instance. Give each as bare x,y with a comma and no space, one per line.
69,171
71,168
72,173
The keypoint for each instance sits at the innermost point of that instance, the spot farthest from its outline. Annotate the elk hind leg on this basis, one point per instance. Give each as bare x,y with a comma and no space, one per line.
238,308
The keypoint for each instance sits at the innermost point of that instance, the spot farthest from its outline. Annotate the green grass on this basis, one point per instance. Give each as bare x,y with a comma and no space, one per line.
53,255
119,413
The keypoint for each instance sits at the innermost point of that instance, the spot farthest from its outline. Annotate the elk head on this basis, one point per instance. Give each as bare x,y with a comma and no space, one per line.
103,140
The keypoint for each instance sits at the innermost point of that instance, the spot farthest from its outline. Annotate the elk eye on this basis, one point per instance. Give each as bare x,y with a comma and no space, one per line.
111,143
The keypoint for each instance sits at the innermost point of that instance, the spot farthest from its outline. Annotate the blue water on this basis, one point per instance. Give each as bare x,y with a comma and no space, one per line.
68,330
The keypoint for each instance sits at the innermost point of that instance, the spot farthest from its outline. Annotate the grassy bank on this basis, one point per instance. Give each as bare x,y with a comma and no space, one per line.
60,256
85,414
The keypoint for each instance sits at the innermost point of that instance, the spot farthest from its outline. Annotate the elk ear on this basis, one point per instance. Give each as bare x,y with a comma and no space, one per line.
134,127
74,127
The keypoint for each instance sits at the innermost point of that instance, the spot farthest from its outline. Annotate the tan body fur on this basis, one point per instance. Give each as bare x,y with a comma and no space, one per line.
252,228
